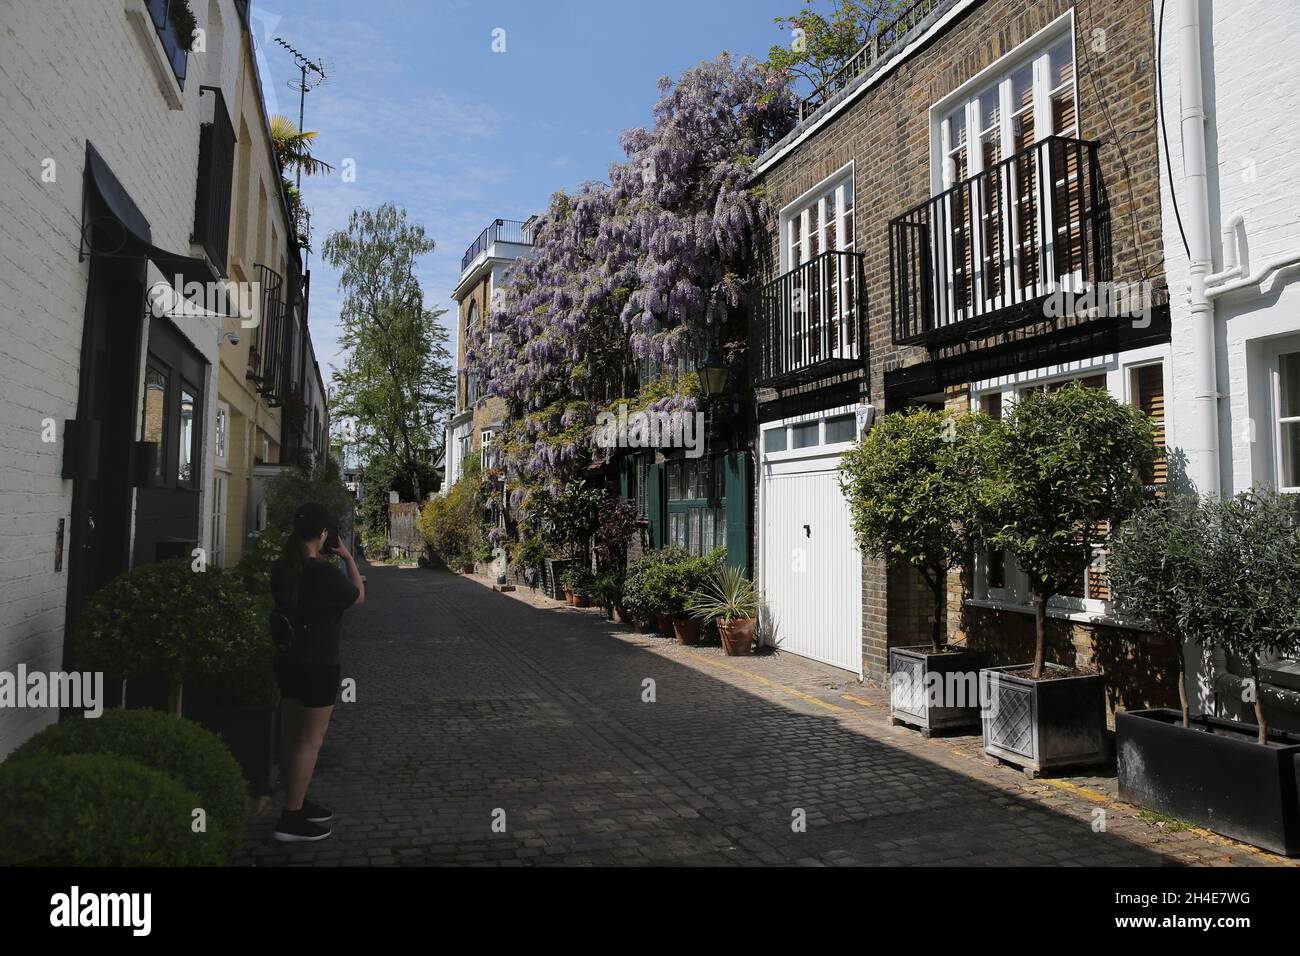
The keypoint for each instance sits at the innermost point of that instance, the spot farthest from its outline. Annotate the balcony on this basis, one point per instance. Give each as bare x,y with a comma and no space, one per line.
810,323
268,354
885,38
502,230
983,257
216,172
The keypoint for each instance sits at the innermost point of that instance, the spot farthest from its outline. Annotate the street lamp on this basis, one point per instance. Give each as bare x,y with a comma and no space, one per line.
713,378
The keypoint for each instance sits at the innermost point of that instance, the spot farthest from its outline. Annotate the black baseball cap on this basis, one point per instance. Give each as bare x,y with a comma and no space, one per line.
310,518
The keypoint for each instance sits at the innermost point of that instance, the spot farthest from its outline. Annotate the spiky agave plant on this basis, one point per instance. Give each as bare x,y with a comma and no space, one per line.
727,596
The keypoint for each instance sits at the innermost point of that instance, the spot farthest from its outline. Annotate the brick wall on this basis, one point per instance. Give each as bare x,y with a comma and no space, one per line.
885,133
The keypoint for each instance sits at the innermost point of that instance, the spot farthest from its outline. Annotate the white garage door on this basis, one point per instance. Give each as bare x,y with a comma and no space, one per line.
811,567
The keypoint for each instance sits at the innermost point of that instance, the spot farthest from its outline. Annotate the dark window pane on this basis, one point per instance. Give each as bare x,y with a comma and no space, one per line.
805,435
841,428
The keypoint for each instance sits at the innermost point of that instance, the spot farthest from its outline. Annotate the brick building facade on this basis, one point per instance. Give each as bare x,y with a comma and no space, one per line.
883,144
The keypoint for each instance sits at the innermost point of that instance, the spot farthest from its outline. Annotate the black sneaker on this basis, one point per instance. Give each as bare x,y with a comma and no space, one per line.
316,813
296,828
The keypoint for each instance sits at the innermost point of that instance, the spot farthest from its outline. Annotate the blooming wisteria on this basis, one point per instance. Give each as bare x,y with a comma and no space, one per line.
631,281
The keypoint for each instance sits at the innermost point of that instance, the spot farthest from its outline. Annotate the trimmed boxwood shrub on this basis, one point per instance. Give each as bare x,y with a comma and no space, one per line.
99,810
194,756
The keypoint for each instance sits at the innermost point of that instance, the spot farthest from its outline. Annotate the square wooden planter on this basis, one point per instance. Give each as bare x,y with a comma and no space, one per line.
1045,724
1214,773
911,701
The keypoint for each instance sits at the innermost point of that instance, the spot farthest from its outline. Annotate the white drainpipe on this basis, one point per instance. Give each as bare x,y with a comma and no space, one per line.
1201,439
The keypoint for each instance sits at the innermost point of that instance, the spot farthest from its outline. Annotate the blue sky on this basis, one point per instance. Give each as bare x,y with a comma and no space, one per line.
460,135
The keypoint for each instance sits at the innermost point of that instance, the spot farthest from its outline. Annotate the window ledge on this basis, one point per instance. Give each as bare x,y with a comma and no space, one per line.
168,85
1102,619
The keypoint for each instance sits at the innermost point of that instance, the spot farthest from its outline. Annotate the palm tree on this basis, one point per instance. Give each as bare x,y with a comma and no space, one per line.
293,148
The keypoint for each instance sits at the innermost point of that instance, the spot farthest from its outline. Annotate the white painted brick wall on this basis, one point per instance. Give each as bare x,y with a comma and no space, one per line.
67,76
1252,99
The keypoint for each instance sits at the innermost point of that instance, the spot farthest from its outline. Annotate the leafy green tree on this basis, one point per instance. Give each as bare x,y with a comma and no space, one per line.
1158,574
910,485
397,384
1062,466
315,481
821,44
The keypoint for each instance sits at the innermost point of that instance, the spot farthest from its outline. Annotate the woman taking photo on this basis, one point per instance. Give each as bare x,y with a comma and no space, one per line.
311,594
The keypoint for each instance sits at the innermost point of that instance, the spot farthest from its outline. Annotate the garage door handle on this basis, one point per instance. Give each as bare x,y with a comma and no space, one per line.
807,531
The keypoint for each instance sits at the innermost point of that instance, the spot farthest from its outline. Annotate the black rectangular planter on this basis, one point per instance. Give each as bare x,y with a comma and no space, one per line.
1218,777
910,699
1043,724
249,732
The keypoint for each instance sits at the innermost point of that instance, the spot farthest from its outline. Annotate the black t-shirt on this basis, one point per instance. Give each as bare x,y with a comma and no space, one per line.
324,593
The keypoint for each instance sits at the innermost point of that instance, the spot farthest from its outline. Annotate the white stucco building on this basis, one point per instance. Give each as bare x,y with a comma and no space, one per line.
1230,71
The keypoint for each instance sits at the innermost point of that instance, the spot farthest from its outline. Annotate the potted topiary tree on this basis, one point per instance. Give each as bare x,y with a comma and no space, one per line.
910,485
205,637
731,600
1226,574
168,621
1063,465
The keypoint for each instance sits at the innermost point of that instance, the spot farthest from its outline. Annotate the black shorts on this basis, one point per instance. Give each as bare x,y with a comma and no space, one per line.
311,683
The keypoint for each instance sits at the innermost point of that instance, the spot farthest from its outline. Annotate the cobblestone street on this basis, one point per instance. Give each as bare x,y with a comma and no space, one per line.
471,702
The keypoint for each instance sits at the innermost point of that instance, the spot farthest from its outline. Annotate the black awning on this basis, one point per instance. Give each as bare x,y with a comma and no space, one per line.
114,227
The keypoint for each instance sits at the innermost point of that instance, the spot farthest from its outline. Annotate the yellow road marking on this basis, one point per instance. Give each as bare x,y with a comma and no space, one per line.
779,686
859,700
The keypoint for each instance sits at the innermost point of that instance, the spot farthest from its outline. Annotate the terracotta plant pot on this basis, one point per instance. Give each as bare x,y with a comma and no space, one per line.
737,635
687,630
665,623
580,600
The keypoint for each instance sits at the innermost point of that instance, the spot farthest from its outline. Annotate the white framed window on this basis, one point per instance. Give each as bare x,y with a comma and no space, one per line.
819,221
487,454
830,432
219,505
999,240
1286,412
221,436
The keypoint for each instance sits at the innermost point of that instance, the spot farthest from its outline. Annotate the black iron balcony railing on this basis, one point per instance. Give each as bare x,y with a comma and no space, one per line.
872,51
176,47
215,181
985,255
811,321
502,230
266,360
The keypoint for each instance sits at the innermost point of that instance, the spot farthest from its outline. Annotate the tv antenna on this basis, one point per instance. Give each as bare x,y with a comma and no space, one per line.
311,75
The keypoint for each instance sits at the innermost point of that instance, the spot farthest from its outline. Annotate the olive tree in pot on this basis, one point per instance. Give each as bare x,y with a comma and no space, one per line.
1227,575
731,600
910,485
1063,468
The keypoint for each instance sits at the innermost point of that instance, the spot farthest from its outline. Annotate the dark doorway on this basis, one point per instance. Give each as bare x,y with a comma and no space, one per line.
101,491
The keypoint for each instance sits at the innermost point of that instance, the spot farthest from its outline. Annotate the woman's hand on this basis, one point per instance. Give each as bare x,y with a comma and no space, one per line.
342,551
